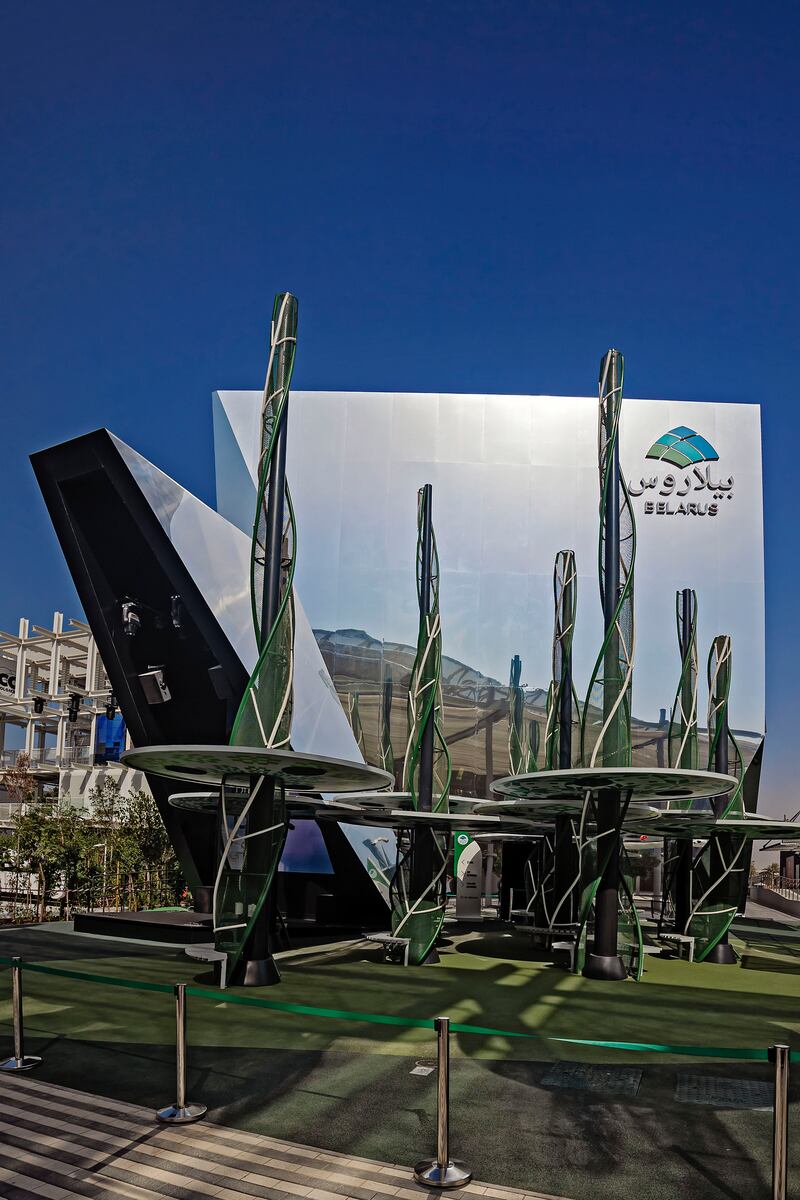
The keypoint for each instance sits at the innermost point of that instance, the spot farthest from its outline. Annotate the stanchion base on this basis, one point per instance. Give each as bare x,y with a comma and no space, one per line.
430,1174
172,1115
604,966
27,1063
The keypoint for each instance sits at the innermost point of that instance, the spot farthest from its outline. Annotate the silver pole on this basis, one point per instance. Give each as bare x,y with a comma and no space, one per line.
779,1055
180,1042
442,1171
16,1005
19,1061
180,1113
443,1093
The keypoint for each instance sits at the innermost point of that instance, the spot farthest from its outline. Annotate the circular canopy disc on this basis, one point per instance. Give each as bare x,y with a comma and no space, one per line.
198,802
691,824
409,819
208,802
297,772
369,802
641,782
534,809
386,801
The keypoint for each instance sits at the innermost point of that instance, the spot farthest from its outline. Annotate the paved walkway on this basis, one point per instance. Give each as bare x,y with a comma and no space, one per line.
61,1144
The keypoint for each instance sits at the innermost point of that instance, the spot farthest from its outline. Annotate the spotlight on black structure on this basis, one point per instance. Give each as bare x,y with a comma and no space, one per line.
131,618
38,704
176,613
73,707
111,706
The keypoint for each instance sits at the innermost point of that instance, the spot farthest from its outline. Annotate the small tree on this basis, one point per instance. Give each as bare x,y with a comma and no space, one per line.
21,789
19,782
105,808
50,843
146,849
7,845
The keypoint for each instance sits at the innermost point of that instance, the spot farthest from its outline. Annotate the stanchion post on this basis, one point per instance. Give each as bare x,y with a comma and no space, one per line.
442,1171
779,1057
181,1113
20,1061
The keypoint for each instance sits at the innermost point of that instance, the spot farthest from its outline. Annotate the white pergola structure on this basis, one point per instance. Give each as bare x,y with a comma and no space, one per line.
59,671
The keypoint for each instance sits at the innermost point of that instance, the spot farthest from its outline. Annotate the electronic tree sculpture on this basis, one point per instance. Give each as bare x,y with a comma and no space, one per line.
386,750
256,769
606,794
718,875
418,887
247,868
552,872
354,713
682,752
563,705
606,720
560,695
532,747
516,717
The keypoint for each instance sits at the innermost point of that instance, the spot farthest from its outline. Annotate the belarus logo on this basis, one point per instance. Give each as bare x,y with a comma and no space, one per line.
689,491
682,447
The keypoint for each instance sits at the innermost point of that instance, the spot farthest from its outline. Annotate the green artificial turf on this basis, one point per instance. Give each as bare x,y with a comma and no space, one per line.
485,978
347,1085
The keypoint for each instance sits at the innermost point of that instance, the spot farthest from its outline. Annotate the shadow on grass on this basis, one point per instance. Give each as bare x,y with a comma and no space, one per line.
509,1128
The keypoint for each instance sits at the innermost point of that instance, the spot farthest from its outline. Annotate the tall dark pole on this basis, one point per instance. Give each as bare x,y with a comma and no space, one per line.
683,864
565,717
604,962
489,744
426,753
387,754
566,858
422,863
260,968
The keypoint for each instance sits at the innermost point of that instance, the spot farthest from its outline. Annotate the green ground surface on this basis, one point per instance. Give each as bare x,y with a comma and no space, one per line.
347,1085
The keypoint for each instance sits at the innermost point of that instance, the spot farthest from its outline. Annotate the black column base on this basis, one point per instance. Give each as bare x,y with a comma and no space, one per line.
203,898
604,966
260,972
722,954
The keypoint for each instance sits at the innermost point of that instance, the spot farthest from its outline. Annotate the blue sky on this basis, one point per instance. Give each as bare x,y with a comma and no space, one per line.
466,197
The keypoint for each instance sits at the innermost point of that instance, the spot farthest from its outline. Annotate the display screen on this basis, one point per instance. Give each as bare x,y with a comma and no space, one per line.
305,850
110,738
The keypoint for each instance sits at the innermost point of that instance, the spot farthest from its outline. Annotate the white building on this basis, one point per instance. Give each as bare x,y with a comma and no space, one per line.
57,708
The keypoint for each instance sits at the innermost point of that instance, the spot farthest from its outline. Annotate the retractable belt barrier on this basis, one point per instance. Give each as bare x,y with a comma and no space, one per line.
437,1173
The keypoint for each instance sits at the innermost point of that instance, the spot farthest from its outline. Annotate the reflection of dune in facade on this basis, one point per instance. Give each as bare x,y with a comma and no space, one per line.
475,710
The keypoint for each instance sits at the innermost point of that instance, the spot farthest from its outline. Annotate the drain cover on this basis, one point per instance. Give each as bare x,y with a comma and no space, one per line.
586,1077
723,1093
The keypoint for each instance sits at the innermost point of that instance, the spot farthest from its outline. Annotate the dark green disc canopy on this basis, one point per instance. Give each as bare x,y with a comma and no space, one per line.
694,824
297,772
536,809
388,801
640,783
404,818
208,802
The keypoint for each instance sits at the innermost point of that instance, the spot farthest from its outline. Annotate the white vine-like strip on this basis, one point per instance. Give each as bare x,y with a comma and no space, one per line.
229,844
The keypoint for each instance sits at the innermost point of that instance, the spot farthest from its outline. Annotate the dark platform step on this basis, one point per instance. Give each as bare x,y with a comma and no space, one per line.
180,927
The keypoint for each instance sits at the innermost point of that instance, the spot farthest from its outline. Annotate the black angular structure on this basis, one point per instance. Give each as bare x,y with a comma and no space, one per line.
158,635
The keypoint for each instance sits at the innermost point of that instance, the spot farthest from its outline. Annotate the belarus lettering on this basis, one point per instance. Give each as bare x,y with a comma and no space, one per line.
674,487
662,508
